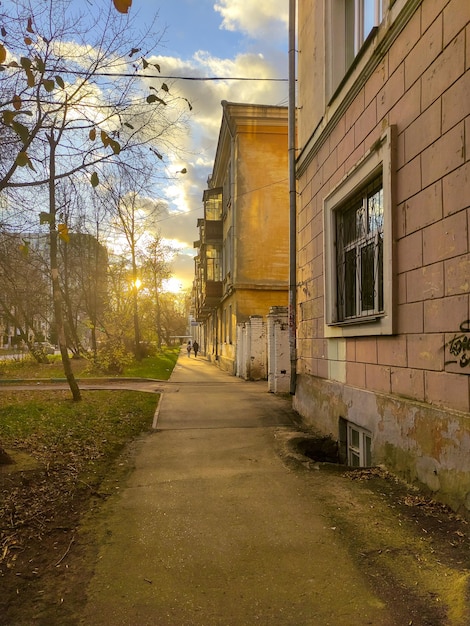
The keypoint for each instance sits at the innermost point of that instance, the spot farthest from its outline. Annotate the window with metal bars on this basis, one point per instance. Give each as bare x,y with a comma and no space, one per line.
359,254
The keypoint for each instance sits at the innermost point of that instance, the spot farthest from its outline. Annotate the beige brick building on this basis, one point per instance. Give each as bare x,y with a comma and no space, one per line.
383,260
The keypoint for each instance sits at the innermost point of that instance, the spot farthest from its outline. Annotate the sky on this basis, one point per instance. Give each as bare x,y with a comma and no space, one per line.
211,38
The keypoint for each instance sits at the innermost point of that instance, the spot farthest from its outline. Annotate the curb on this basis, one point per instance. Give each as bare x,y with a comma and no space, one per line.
93,381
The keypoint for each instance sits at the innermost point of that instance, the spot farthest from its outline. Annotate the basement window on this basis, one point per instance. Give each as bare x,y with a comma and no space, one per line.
359,444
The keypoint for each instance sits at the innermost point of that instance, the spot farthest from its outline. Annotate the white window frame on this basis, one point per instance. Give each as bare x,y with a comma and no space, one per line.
350,22
379,159
367,15
359,228
227,257
359,446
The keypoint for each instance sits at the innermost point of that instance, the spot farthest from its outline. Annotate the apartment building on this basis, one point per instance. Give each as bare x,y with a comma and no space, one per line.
242,263
383,259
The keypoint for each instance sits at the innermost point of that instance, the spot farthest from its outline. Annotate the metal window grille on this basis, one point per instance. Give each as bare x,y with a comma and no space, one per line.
359,254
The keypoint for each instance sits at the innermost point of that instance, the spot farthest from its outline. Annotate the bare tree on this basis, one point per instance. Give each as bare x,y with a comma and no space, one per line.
132,218
72,103
156,268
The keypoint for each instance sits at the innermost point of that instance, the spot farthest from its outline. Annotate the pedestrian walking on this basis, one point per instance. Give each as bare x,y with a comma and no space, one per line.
188,348
195,348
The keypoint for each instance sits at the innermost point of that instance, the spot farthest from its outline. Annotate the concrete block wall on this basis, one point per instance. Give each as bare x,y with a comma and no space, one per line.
423,87
241,369
256,353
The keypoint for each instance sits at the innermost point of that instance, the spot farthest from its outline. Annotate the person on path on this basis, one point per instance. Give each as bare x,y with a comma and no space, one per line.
195,348
188,348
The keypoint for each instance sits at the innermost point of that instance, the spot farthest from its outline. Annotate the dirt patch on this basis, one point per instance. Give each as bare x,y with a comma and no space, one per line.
46,554
415,551
36,572
321,449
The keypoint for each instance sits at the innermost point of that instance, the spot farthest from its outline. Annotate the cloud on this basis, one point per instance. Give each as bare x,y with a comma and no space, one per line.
178,230
205,96
257,19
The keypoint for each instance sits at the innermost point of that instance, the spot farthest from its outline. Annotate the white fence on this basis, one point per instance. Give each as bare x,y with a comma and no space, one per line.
263,350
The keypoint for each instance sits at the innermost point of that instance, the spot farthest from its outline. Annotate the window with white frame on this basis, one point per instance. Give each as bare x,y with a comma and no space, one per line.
358,248
230,325
350,24
359,444
227,188
361,16
227,256
213,263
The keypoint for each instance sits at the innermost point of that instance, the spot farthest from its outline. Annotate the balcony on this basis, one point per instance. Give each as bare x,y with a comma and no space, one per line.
208,298
213,231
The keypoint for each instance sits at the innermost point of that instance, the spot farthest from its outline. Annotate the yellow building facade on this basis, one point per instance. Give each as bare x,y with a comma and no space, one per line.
249,233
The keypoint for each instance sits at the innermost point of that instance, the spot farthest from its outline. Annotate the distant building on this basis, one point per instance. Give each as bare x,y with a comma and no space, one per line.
243,247
383,260
25,297
26,310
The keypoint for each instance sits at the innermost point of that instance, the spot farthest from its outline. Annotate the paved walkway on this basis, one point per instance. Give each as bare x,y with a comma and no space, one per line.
212,528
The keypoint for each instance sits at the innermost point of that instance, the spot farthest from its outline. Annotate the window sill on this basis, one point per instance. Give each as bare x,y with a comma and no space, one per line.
366,327
354,64
365,319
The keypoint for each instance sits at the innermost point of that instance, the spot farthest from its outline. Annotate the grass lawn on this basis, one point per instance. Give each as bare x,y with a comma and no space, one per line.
159,367
76,437
49,424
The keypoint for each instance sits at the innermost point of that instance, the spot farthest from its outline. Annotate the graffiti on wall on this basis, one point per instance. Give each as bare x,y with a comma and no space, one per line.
459,347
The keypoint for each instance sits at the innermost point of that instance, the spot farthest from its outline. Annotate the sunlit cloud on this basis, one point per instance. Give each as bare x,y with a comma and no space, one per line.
263,27
257,19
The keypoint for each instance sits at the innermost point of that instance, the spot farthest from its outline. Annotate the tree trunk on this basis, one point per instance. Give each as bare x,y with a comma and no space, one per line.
138,345
135,307
159,318
56,293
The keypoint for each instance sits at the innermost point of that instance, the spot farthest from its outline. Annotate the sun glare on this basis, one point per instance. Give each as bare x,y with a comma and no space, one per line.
172,285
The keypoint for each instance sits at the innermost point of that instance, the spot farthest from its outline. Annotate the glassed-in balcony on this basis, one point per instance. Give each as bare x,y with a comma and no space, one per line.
209,262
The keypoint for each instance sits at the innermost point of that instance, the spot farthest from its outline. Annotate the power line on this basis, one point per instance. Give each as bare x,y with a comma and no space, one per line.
195,78
168,77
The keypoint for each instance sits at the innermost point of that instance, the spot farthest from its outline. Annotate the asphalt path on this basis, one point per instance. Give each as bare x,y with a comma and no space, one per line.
213,528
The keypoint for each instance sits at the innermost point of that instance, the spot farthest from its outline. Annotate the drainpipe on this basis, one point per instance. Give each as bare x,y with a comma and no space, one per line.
292,202
231,132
